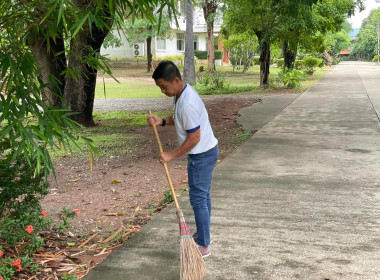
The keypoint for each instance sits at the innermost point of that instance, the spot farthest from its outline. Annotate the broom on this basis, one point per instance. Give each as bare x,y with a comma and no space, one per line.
192,264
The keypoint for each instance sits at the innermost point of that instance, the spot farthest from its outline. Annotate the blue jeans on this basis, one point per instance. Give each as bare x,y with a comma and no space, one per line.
199,169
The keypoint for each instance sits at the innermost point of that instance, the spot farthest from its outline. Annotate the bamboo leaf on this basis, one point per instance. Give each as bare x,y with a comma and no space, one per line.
80,23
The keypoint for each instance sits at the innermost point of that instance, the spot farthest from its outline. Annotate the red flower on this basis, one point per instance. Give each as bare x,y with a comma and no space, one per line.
77,211
43,213
29,229
1,277
17,263
62,214
1,253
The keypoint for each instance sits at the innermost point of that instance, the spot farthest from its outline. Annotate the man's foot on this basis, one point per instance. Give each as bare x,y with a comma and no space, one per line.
205,251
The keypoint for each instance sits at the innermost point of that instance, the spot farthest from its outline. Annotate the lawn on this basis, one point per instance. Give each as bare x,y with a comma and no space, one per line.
137,83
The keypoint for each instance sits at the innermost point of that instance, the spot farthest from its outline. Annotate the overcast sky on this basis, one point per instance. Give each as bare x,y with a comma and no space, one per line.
356,20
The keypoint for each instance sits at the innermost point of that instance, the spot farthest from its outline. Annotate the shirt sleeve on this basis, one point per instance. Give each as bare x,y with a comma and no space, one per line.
191,118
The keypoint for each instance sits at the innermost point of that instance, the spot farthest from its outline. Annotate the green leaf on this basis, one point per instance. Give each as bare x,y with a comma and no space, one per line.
79,25
52,8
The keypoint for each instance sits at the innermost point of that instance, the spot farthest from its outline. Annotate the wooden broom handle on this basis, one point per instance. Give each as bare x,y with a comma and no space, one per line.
165,166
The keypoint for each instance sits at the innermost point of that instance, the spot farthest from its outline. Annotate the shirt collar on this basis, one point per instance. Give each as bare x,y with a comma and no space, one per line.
176,99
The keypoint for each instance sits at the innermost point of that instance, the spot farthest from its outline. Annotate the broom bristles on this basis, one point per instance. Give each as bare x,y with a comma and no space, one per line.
192,264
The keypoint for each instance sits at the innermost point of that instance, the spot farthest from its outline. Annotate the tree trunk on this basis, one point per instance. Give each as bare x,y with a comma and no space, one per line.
264,59
189,67
80,90
289,56
149,53
211,48
52,62
209,8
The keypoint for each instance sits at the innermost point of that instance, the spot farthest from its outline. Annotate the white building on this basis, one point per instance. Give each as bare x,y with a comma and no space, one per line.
171,45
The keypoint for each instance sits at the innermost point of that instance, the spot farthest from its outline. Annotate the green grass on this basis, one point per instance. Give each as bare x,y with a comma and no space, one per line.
110,137
144,87
131,89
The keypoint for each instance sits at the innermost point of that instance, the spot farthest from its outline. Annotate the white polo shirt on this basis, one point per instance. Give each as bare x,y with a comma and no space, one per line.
190,114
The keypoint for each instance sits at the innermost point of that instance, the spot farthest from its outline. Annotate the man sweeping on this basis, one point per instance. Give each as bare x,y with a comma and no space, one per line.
196,139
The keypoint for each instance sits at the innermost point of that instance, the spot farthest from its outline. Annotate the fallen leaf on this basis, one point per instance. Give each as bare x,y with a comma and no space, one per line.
138,208
137,194
218,160
70,244
184,181
115,181
73,180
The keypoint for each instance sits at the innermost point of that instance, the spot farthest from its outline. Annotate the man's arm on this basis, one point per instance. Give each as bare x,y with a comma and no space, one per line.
192,139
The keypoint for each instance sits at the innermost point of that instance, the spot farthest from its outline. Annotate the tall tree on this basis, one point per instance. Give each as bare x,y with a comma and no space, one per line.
337,42
66,41
261,17
291,22
366,46
241,48
189,67
306,25
209,12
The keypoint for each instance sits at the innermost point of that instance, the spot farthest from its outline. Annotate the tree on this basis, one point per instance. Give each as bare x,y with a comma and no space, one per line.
242,49
337,42
307,26
189,67
366,46
140,30
65,40
209,12
261,17
290,22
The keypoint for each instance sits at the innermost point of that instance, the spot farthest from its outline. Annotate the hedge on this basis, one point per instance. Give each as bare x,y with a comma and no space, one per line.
203,54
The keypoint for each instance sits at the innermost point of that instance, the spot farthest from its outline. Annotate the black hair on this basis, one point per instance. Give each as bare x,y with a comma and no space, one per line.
166,70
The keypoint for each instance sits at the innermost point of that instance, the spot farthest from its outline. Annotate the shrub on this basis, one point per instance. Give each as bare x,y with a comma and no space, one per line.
310,63
21,216
141,58
298,64
375,58
279,62
203,54
291,78
256,60
21,189
212,80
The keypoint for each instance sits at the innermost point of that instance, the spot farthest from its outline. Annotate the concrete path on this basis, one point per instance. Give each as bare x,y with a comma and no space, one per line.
299,200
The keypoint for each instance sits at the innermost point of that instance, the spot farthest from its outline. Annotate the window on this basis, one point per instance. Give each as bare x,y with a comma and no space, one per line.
161,43
196,44
180,41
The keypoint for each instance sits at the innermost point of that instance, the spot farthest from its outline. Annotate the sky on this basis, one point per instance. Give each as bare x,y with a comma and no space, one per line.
357,19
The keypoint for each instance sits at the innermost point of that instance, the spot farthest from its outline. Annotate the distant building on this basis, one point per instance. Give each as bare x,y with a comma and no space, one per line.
353,40
174,43
344,53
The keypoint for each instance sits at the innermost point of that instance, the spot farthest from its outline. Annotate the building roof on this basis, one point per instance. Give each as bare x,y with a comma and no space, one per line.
345,52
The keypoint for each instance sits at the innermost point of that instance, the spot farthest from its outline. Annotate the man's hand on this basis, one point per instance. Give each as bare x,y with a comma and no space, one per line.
154,120
166,157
